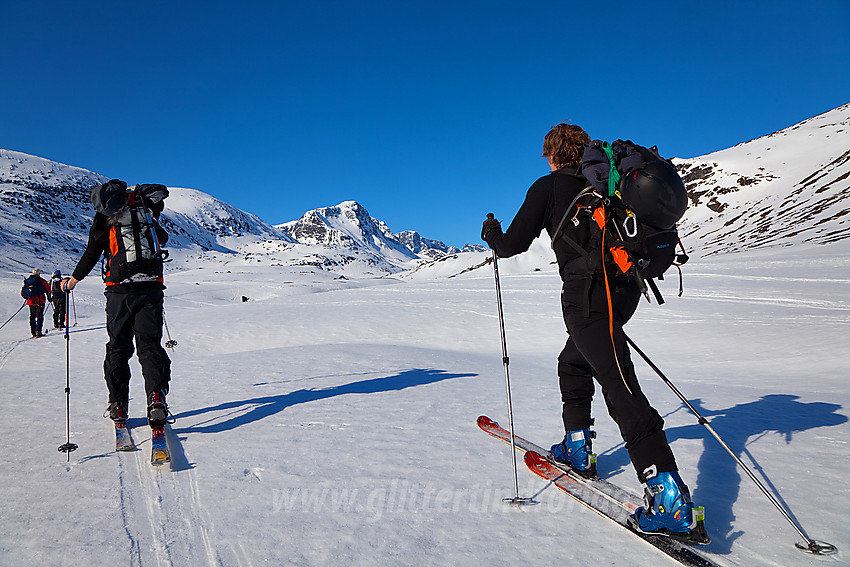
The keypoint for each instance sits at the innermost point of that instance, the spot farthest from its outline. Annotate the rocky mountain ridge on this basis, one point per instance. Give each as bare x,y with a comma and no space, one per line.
45,213
789,188
350,225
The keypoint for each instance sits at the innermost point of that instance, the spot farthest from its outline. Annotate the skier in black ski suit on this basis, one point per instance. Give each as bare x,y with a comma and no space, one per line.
589,352
134,304
58,300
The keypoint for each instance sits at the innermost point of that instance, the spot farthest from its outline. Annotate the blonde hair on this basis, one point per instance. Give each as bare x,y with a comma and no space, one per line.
565,144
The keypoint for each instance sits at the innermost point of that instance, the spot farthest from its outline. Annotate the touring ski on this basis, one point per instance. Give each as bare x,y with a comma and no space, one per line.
159,448
612,491
123,440
604,498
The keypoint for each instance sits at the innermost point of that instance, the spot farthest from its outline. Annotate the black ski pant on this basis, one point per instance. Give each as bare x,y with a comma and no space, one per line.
36,319
136,313
58,310
590,353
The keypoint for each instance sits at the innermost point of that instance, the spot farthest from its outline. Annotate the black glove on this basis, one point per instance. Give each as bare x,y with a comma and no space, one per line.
490,228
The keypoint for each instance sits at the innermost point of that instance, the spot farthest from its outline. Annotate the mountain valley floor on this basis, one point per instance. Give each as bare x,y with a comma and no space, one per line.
332,421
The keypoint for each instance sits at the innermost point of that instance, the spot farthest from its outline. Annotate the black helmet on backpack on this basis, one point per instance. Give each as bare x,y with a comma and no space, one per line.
110,197
655,193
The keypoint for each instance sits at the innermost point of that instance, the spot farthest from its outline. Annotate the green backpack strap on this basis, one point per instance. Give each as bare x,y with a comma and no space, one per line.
613,175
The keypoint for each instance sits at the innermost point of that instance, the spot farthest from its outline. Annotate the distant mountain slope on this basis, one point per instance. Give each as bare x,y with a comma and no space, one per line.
44,208
45,213
349,225
192,217
788,188
434,249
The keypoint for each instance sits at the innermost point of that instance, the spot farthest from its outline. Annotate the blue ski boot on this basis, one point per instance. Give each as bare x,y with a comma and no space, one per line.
668,509
575,451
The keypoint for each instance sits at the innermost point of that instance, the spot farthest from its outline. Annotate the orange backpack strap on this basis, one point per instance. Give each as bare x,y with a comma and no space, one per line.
611,317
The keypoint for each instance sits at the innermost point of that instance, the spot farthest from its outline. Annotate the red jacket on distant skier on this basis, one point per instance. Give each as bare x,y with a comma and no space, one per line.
40,293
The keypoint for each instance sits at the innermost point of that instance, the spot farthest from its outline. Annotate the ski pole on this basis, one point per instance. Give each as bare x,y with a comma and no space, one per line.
809,545
170,343
13,316
47,306
506,361
67,447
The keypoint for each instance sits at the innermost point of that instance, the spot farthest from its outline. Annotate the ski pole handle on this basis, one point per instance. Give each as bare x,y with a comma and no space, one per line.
489,225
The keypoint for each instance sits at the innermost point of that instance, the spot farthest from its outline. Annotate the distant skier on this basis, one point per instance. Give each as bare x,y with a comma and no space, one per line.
34,291
58,300
134,291
589,353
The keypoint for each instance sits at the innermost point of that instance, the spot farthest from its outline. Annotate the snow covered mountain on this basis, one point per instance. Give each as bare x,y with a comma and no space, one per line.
195,218
45,213
434,249
42,206
785,189
788,188
349,225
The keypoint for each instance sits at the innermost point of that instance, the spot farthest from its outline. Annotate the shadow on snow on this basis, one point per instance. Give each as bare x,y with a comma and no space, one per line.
718,479
266,406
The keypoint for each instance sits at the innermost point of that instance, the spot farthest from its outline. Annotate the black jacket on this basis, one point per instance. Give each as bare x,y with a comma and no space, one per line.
544,207
98,244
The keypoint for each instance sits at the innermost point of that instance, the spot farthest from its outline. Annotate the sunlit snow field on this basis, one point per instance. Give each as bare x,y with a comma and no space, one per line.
332,421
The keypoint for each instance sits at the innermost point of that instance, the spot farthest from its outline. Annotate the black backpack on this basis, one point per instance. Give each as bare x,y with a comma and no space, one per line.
634,197
135,251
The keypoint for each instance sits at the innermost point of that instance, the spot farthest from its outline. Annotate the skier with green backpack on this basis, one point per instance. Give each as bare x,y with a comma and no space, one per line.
607,248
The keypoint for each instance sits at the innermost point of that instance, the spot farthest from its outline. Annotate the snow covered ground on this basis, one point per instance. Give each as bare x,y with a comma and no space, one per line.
331,421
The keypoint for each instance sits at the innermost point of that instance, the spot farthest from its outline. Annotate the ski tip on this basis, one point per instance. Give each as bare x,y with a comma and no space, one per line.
484,421
535,460
534,456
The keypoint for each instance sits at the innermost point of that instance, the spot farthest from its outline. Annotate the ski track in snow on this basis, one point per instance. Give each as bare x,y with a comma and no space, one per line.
175,524
5,351
779,301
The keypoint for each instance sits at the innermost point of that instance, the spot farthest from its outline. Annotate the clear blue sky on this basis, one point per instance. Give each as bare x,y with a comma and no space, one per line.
429,113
